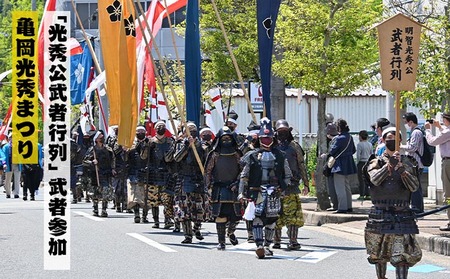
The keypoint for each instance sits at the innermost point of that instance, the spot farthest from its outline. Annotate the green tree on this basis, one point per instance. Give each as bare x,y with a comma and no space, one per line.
239,18
328,48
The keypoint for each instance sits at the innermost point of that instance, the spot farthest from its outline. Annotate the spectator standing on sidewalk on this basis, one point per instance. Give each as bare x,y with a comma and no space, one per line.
414,148
10,170
443,141
363,151
391,227
332,133
342,150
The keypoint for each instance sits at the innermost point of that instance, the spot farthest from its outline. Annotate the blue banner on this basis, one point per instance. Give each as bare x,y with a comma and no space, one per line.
266,14
79,74
193,63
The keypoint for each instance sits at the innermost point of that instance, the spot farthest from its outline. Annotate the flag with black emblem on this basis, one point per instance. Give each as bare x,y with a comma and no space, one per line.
266,13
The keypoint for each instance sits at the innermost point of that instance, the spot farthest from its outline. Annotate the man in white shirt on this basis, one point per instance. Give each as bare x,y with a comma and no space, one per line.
443,140
414,148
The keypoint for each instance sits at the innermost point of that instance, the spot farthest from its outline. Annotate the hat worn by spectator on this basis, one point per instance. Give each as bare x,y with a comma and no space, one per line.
331,129
446,115
232,117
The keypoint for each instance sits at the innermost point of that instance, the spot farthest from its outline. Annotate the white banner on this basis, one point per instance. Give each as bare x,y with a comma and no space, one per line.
57,141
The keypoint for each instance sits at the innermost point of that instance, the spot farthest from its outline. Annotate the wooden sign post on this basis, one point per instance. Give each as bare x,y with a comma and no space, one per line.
398,41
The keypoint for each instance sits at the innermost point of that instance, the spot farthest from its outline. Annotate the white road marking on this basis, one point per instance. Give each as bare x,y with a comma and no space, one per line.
152,243
94,218
316,256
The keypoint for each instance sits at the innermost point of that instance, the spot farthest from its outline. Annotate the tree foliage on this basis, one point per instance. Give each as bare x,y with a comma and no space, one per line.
239,19
329,48
328,45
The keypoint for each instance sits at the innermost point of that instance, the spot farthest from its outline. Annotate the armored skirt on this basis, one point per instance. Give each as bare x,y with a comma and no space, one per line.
191,201
224,202
390,237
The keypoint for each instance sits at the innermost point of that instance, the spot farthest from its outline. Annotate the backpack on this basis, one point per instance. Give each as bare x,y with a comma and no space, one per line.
428,151
365,173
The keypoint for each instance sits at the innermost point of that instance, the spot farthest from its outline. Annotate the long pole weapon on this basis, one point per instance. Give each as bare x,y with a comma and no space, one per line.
97,67
238,72
160,83
166,74
180,71
88,41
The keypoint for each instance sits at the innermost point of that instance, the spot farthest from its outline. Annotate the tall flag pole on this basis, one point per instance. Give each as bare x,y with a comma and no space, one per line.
118,36
193,63
266,13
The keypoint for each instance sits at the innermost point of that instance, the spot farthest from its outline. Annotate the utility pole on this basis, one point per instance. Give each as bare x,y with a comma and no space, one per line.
33,5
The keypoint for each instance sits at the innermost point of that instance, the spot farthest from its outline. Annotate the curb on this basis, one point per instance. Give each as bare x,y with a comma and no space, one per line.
316,218
428,242
433,243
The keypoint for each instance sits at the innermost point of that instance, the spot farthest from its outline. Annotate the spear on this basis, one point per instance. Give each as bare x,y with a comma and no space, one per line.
227,41
166,74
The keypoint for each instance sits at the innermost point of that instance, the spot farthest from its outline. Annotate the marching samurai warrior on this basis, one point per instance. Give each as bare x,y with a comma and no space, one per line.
292,214
158,151
119,180
265,175
191,204
391,227
222,179
100,158
250,144
137,174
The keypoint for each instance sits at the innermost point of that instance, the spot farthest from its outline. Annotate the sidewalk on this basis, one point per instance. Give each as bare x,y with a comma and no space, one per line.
430,237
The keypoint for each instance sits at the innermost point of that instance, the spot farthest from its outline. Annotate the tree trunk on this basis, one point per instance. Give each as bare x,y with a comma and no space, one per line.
278,91
323,202
278,99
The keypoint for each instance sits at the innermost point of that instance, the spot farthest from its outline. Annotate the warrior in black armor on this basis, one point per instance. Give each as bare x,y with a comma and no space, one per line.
137,174
265,174
79,175
292,214
119,180
391,227
191,202
231,122
75,161
222,171
206,139
83,172
100,159
249,144
158,148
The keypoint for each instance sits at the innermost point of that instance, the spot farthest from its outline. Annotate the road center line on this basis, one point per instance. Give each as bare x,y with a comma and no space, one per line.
97,219
152,243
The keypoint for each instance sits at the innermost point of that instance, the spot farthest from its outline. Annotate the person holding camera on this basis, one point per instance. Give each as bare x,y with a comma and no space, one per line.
443,141
391,228
414,148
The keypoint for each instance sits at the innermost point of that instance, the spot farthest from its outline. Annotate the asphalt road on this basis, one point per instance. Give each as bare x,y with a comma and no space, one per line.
115,247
